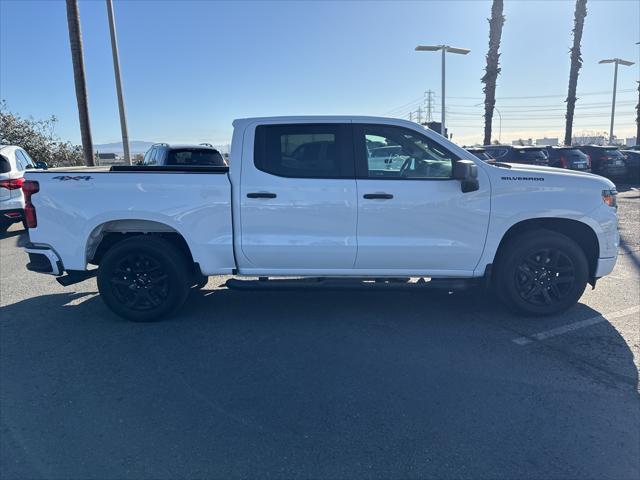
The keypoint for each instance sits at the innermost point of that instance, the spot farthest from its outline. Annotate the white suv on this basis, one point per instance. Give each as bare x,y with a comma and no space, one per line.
13,163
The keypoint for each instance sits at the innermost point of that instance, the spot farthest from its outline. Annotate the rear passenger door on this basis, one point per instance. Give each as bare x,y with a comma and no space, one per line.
298,203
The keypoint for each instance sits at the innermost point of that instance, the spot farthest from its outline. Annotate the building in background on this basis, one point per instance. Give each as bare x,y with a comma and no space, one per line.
522,142
547,142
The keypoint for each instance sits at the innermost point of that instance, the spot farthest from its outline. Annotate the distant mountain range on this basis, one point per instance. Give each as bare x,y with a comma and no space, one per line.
135,146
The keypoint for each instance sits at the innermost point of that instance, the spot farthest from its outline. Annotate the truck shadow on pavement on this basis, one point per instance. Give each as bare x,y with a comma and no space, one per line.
313,384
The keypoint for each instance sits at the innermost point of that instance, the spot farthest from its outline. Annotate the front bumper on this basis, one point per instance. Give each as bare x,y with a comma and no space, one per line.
43,259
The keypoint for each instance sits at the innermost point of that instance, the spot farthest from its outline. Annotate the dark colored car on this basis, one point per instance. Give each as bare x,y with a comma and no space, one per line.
479,152
518,154
568,157
632,160
607,161
163,154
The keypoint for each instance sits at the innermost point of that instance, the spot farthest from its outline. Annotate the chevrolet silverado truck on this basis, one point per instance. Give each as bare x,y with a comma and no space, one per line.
308,197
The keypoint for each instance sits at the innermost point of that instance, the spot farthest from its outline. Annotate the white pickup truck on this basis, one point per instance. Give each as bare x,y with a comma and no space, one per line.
305,197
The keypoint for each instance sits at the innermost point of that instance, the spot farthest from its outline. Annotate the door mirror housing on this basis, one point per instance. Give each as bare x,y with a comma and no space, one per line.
42,165
467,172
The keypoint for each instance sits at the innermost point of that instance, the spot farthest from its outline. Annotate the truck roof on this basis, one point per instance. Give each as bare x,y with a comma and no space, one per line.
325,118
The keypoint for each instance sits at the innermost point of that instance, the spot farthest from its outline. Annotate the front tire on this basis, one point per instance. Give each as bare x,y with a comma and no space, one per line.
144,278
541,272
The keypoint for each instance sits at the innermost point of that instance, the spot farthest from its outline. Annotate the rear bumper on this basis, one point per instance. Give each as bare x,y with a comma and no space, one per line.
11,215
605,266
43,259
613,171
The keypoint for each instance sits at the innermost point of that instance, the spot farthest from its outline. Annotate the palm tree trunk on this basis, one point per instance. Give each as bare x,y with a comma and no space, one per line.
75,40
576,62
493,69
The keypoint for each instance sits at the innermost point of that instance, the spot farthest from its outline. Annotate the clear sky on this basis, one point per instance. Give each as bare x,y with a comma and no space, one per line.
190,67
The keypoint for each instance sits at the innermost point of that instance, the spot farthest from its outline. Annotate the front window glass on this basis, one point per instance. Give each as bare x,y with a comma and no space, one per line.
395,152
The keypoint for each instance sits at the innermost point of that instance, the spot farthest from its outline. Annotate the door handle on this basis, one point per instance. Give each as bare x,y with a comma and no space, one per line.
377,196
261,195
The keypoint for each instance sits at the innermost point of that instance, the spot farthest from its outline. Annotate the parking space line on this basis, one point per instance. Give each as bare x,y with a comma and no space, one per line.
575,326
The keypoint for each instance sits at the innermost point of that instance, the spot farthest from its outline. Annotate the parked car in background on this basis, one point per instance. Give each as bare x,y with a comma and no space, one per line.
163,154
13,163
479,152
518,154
632,162
568,157
607,161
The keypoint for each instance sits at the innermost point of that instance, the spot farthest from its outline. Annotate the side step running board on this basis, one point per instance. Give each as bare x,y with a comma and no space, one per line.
321,283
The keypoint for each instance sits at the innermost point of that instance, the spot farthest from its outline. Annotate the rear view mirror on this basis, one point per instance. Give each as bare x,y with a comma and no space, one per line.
467,172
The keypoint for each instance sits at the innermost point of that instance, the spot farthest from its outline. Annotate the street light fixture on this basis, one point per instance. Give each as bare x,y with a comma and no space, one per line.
445,49
616,61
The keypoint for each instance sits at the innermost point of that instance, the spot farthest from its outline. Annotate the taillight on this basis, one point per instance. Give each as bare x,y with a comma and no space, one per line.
563,161
12,183
29,187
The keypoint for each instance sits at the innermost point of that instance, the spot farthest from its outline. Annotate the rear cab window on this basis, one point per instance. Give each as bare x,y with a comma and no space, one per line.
304,150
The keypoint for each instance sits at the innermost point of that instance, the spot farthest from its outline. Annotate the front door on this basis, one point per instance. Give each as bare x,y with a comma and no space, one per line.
298,199
412,215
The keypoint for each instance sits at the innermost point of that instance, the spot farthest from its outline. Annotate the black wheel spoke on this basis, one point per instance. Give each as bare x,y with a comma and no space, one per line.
544,276
140,282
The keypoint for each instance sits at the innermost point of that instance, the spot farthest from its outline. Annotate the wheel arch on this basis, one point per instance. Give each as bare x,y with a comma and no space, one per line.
107,234
578,231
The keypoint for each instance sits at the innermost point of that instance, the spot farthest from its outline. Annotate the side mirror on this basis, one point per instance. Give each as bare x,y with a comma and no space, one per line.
467,172
42,165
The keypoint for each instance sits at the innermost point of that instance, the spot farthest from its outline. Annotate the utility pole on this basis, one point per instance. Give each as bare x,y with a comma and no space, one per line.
116,70
616,61
429,94
77,59
411,116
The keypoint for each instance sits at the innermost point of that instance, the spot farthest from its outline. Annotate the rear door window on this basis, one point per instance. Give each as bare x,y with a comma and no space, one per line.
304,151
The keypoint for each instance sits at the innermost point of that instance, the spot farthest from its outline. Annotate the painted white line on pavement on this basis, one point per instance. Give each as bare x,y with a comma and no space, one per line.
575,326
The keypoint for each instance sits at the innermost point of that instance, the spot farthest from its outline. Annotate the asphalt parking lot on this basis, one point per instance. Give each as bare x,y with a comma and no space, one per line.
320,384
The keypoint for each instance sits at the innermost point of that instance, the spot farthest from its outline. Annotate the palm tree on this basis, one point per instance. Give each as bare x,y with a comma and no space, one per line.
492,70
75,40
576,62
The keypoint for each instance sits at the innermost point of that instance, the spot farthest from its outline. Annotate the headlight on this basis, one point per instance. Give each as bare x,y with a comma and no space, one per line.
609,197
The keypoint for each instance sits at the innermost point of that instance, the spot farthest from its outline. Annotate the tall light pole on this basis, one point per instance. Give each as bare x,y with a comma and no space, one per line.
445,49
616,61
116,69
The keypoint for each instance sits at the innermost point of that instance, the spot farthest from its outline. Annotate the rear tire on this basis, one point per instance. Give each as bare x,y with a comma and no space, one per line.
144,278
541,272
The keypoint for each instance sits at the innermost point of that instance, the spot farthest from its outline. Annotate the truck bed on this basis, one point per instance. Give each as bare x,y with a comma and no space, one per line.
77,207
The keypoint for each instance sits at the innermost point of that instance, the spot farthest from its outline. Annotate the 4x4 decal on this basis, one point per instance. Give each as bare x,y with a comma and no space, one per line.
63,178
